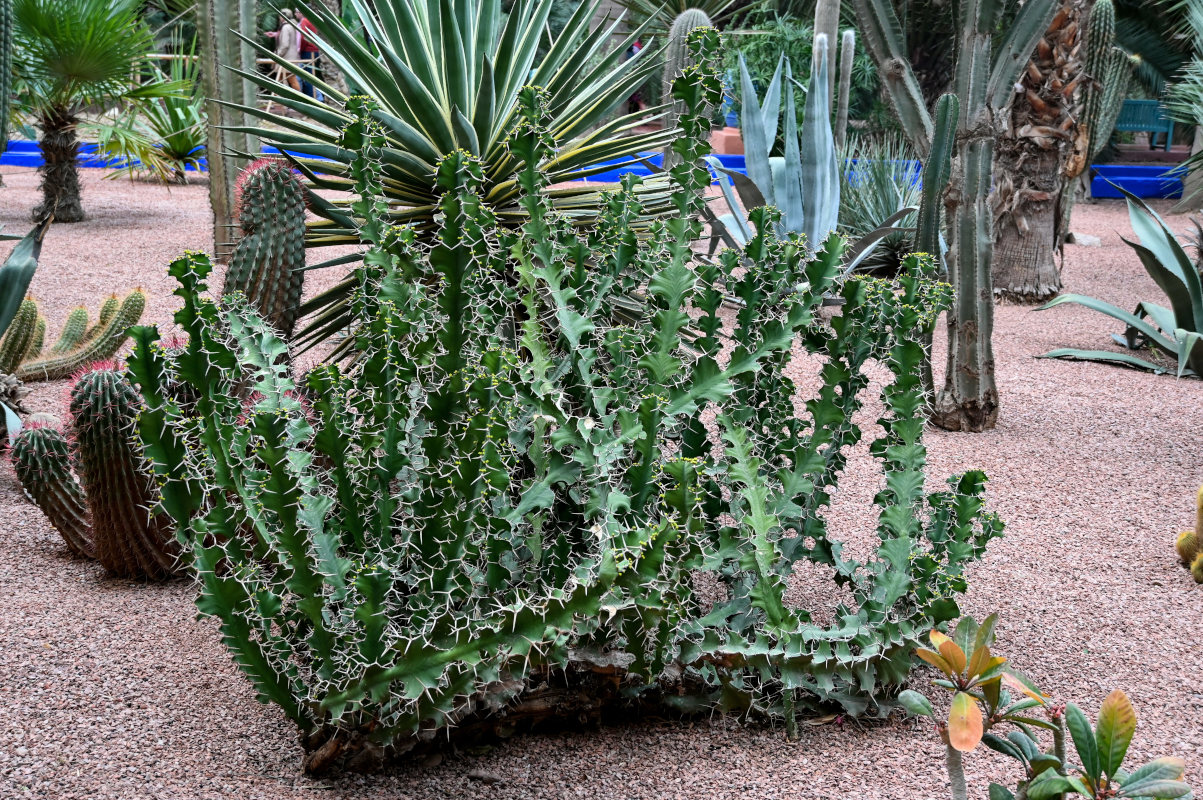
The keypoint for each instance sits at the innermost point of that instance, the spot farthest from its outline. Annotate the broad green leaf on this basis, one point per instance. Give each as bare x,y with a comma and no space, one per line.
916,703
1048,785
1000,792
1108,356
1084,742
1160,775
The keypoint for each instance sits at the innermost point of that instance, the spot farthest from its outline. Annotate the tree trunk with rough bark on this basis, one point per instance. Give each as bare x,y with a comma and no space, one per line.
59,144
1036,159
1026,250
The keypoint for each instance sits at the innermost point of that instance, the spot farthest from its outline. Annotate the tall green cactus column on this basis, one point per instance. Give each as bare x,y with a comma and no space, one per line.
268,262
220,51
985,75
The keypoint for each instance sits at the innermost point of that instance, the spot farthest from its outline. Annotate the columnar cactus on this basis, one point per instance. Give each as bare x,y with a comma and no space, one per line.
37,341
108,310
6,69
73,333
268,261
827,22
109,513
847,52
222,53
989,64
59,364
1108,71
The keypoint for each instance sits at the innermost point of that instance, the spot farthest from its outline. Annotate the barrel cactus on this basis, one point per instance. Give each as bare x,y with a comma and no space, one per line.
108,512
268,260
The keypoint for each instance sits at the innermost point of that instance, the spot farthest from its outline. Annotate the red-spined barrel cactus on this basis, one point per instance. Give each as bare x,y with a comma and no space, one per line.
109,513
268,261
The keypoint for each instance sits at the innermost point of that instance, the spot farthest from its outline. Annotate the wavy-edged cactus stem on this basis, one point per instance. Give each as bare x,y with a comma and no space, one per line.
41,457
131,541
1196,568
1187,546
268,261
18,337
73,333
102,347
676,60
108,310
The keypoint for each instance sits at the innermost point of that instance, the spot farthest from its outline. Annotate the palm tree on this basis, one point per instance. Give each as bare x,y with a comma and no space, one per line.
72,56
1030,174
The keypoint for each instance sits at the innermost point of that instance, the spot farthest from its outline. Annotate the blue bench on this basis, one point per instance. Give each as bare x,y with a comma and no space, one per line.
1146,116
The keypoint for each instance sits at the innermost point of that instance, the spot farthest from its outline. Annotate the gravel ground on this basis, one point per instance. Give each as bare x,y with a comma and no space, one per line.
112,689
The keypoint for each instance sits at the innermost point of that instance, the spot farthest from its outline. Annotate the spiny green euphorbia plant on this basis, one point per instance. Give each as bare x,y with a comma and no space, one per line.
509,487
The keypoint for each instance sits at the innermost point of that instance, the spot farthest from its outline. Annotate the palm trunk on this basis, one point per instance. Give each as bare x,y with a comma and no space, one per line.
1036,158
60,175
1030,190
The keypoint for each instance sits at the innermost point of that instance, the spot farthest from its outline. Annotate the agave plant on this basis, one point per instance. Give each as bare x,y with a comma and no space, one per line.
446,77
1176,331
804,182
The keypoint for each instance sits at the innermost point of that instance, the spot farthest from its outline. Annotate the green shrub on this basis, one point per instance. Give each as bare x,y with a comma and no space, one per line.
512,485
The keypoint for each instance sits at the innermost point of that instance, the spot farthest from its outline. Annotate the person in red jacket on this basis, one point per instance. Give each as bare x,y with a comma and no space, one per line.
309,52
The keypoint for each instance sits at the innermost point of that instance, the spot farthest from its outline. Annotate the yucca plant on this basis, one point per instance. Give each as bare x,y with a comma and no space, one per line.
1177,331
445,78
75,56
509,489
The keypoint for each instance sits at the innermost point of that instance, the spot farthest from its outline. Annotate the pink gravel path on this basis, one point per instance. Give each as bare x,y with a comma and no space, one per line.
112,689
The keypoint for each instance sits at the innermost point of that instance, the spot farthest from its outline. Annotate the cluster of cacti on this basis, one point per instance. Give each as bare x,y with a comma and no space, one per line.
512,480
109,512
268,261
1190,543
23,352
985,77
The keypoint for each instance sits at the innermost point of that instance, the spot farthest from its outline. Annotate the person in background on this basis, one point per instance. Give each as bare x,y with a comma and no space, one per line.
309,53
288,44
